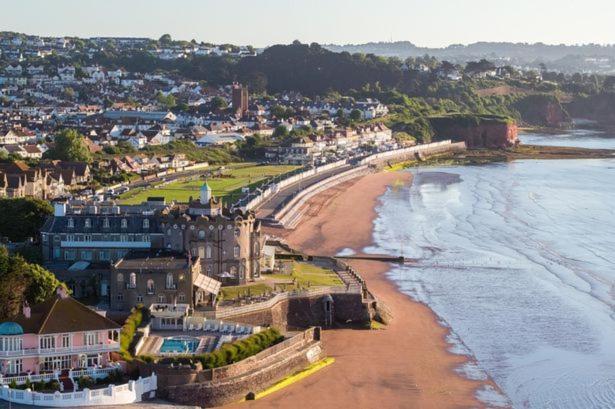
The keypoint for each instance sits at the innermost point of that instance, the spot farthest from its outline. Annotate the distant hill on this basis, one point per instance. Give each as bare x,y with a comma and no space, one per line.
592,57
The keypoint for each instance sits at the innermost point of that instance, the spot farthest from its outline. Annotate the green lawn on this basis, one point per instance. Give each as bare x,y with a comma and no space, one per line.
234,292
308,275
304,274
228,186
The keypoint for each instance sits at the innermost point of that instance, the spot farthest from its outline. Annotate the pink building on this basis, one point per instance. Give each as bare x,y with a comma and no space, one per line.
57,335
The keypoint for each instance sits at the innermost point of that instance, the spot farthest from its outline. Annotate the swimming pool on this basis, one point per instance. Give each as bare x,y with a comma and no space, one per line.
179,345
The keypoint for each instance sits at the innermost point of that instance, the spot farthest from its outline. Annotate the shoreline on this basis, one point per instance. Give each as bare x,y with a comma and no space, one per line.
408,364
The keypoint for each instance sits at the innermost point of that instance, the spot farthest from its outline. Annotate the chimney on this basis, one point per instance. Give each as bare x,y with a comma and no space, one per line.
61,292
27,312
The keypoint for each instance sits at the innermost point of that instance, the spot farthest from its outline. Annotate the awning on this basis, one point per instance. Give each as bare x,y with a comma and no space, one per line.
208,284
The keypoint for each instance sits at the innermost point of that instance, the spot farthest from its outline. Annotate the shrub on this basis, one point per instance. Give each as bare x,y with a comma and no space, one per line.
85,382
53,385
229,353
129,329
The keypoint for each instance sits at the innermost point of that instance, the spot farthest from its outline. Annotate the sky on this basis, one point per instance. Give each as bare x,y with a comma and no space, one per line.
431,23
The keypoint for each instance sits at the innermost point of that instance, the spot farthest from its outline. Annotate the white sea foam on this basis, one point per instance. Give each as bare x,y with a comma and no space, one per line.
518,260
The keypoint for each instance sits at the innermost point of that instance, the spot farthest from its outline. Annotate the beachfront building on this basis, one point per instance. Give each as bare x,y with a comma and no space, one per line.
56,335
160,277
228,244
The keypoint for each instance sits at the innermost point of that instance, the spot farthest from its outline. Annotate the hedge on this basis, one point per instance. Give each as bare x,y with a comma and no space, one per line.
129,329
229,353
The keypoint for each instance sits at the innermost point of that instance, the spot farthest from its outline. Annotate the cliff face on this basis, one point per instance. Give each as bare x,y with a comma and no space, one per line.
599,108
543,110
476,132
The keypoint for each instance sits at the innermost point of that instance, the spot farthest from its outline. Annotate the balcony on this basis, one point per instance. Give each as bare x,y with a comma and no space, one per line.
96,348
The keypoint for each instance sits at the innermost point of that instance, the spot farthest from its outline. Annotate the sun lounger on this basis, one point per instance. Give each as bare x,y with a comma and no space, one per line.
191,327
199,327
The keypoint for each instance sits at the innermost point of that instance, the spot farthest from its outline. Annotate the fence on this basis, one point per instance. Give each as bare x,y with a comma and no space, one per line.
131,392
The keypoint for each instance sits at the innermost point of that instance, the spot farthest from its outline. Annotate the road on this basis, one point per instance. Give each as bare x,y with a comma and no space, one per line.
267,208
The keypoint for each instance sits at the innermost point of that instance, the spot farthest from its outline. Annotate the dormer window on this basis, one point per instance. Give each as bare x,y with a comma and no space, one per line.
71,223
146,223
88,223
124,223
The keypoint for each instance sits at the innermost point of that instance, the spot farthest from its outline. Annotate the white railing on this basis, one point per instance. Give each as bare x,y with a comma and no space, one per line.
96,373
21,379
131,392
109,347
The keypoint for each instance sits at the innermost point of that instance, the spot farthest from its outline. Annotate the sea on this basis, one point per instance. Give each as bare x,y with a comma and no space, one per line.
518,260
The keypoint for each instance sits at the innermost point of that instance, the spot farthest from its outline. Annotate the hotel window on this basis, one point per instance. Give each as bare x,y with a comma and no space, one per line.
124,223
208,251
103,255
233,271
11,344
88,223
139,298
69,255
106,222
146,223
93,360
120,278
86,255
201,234
47,342
170,281
150,287
123,237
90,338
146,237
66,341
15,366
120,296
236,252
71,223
181,297
209,270
87,237
162,299
237,232
133,281
70,237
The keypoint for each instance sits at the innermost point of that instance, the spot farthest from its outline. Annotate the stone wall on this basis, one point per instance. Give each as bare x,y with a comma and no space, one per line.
303,312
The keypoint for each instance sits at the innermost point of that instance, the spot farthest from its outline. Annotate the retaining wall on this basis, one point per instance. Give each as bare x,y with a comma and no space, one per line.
214,387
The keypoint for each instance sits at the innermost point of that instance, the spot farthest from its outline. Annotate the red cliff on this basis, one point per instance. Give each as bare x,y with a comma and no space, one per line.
476,131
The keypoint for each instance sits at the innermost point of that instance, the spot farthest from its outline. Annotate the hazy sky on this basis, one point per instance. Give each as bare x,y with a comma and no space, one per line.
265,22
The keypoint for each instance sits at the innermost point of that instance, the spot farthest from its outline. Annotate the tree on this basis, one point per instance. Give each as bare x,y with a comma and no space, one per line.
279,133
165,39
355,115
21,218
479,66
218,104
21,281
69,145
167,101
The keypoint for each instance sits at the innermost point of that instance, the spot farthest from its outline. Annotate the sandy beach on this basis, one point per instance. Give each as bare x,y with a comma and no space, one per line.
407,365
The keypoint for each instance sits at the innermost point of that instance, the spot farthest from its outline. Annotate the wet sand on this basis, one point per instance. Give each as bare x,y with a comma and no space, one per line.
407,365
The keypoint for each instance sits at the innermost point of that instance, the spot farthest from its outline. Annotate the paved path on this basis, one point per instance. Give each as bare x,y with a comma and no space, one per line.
267,208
